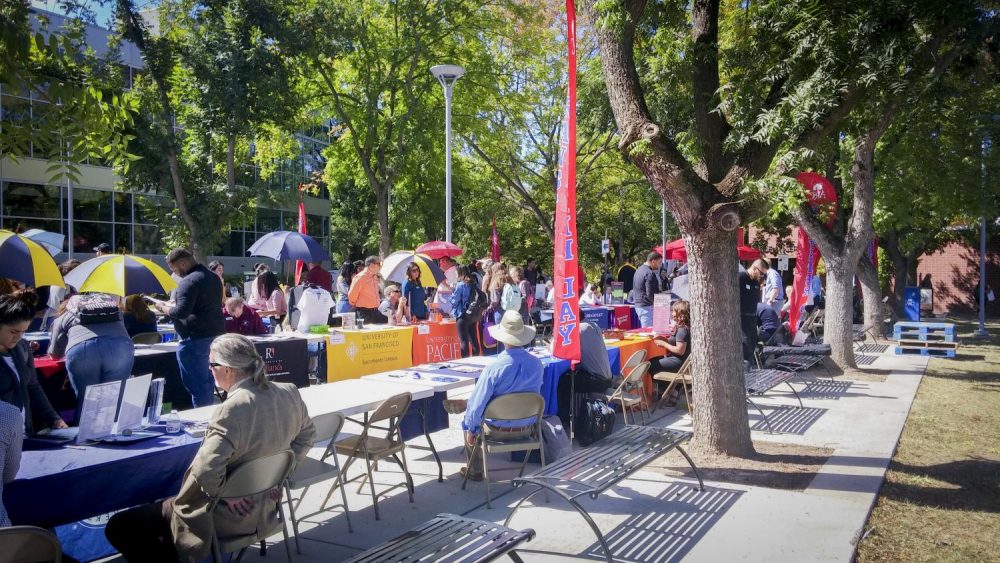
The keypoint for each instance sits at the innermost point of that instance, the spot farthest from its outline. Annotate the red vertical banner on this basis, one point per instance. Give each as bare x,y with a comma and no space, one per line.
822,198
495,242
566,322
302,229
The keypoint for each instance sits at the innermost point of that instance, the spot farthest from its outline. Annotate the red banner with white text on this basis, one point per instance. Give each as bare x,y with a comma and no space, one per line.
822,198
495,242
566,323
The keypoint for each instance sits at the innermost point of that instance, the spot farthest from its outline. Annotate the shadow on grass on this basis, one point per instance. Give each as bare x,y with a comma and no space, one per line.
977,481
973,376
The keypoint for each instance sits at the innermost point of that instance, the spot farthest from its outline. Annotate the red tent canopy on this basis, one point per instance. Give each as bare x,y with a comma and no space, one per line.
676,250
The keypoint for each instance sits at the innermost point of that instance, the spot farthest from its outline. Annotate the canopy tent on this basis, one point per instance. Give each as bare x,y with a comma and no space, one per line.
675,250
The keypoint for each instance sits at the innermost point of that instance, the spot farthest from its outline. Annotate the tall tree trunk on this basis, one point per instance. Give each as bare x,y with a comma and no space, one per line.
382,211
871,292
720,415
838,321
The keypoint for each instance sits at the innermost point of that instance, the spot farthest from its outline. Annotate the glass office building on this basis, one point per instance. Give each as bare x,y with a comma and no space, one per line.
100,213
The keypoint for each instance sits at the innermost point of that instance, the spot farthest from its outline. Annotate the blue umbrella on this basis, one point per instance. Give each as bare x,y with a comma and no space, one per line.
289,245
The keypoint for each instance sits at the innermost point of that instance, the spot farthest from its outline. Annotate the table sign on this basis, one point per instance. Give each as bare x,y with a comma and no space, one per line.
97,417
617,293
661,313
364,352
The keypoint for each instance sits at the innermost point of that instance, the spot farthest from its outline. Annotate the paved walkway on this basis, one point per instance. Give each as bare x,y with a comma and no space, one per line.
650,517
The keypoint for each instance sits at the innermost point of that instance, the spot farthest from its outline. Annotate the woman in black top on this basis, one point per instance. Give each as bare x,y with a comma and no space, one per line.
18,382
678,346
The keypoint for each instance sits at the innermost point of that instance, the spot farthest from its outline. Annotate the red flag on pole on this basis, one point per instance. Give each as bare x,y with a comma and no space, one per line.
495,242
566,324
302,229
821,194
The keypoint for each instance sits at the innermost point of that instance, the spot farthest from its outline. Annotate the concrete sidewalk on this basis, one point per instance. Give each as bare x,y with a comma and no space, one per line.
651,517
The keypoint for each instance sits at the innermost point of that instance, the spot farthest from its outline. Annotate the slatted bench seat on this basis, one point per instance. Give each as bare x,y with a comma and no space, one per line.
605,463
448,538
760,381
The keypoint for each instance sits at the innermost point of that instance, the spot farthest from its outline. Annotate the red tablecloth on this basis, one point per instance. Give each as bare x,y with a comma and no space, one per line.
435,342
48,366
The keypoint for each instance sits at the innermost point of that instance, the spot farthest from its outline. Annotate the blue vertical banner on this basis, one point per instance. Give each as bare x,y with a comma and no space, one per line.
566,268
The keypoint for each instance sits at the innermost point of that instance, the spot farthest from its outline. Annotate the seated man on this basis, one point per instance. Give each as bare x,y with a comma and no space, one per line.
768,320
258,419
241,319
513,371
389,308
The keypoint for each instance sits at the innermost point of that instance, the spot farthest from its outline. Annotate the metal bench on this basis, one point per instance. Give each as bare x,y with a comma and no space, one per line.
760,381
448,538
592,470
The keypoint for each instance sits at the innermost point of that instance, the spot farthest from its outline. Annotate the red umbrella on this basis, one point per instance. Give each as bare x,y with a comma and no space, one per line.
437,249
676,251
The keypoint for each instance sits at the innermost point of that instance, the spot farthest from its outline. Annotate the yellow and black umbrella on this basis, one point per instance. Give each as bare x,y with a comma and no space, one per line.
394,268
119,274
26,261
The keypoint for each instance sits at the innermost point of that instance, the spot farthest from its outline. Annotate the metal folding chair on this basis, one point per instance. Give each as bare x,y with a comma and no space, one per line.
28,543
630,392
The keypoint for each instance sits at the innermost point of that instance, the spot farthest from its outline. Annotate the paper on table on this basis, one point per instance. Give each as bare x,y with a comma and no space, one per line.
337,338
133,402
466,369
97,418
423,329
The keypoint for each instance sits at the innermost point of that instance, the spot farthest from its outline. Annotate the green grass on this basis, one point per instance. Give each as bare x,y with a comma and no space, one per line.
941,496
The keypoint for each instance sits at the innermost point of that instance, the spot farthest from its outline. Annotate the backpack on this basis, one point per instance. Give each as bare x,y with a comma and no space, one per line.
97,308
554,440
510,299
477,302
594,420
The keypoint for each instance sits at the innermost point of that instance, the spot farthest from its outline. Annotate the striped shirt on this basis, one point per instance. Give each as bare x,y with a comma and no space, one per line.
11,436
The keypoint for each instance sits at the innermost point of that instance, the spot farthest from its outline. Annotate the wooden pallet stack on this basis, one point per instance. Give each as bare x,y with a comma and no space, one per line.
925,339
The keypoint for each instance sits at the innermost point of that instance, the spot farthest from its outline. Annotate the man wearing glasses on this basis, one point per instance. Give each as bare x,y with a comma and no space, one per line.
365,292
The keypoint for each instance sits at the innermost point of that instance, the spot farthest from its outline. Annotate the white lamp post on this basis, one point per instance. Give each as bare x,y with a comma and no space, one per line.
447,75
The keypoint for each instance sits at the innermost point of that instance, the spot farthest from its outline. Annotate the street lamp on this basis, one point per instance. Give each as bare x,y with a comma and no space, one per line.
447,75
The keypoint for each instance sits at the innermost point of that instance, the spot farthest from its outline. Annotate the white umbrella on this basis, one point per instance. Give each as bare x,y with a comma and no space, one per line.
52,242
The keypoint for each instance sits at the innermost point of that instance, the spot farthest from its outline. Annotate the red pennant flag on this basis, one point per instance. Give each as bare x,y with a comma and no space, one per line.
566,324
821,195
302,229
495,242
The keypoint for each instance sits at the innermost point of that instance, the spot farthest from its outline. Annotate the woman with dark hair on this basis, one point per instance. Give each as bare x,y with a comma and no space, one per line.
92,336
413,302
678,346
138,318
18,381
344,287
467,326
269,300
217,268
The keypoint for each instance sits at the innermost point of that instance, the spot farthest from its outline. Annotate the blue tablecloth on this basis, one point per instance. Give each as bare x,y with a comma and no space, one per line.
123,476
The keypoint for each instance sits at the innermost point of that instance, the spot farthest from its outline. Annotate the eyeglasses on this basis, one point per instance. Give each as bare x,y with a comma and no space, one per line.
216,365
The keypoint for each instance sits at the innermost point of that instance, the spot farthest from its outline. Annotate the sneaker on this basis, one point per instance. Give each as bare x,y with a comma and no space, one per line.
455,406
471,476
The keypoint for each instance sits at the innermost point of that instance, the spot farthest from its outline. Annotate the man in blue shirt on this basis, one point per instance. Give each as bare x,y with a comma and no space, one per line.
514,371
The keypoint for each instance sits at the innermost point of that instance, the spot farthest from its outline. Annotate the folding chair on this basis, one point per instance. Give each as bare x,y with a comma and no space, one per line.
512,407
28,543
253,478
682,377
373,448
311,471
630,392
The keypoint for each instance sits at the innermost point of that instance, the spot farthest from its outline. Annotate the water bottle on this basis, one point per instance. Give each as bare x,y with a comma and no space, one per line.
173,422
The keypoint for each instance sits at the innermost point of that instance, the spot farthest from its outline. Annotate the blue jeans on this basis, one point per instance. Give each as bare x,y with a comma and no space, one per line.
645,315
192,358
99,360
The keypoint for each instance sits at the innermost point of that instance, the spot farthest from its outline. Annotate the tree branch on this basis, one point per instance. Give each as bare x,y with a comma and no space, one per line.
709,122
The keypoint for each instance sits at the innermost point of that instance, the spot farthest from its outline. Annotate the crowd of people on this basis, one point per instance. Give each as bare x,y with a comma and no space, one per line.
93,332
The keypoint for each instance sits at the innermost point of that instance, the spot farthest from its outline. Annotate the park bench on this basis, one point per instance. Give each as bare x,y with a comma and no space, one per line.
448,538
760,381
590,471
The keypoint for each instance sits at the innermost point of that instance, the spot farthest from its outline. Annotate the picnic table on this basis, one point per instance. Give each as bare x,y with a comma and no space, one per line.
605,463
450,539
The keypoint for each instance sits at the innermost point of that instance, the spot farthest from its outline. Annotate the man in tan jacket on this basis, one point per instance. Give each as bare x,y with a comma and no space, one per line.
258,419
